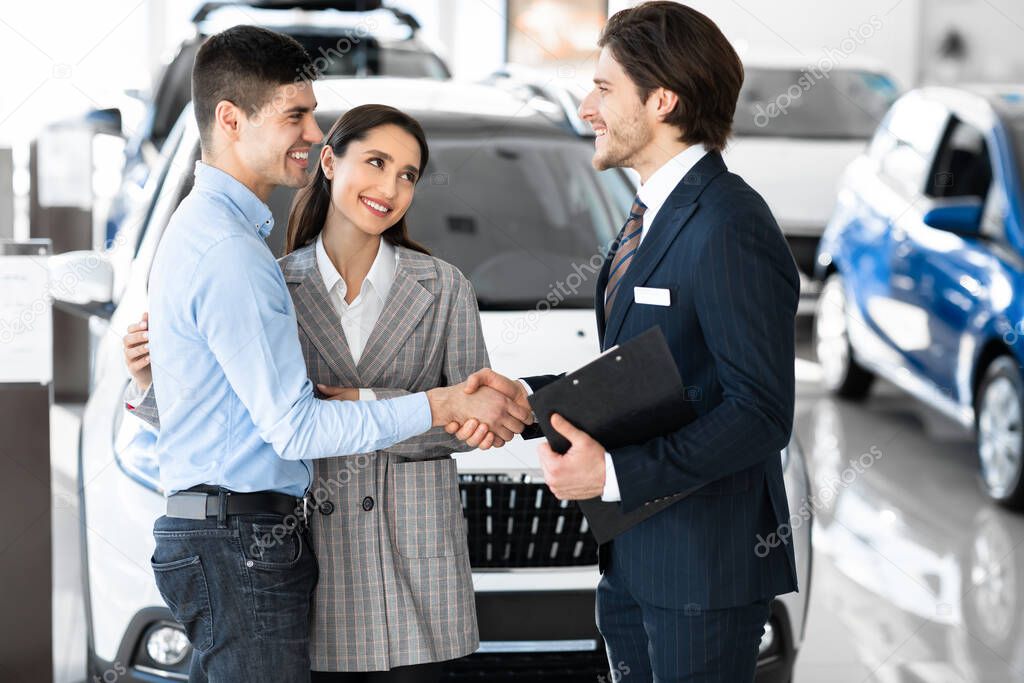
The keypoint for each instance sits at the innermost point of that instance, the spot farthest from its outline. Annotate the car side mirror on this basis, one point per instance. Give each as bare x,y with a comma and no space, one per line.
82,283
962,216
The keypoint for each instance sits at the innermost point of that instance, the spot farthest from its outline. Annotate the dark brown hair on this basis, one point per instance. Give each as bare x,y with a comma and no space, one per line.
244,65
309,210
667,45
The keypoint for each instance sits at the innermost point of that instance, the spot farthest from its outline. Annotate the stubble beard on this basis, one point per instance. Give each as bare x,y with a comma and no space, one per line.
623,147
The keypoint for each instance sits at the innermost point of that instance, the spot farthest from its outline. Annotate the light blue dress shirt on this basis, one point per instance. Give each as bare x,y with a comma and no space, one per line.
236,407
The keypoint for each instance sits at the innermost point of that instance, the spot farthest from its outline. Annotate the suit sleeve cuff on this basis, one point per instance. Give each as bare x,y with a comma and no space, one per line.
367,395
611,482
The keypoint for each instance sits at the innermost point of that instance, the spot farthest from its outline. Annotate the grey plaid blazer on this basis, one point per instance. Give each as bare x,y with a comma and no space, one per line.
395,582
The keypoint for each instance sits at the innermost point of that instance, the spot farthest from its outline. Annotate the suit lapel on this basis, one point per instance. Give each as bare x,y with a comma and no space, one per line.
671,218
317,315
407,303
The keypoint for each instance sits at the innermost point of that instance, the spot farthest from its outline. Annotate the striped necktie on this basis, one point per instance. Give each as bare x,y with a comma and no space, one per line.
629,240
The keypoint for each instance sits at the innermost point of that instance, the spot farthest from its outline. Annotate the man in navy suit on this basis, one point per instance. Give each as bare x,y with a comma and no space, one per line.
687,584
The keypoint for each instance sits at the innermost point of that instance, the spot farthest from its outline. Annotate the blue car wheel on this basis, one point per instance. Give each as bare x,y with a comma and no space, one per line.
842,374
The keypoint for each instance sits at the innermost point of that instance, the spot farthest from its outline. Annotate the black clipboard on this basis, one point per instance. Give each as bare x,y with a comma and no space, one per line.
629,394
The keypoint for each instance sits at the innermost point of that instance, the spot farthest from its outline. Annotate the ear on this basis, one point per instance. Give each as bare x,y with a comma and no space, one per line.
327,161
227,118
664,101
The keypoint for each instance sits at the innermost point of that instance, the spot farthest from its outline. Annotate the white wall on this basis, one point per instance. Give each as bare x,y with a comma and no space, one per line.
802,28
993,32
469,34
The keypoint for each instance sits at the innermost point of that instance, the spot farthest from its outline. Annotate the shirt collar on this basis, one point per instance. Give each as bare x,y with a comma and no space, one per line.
328,272
659,186
256,213
380,277
382,272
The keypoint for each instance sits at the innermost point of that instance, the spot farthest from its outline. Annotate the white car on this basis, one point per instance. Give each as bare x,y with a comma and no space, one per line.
798,125
509,197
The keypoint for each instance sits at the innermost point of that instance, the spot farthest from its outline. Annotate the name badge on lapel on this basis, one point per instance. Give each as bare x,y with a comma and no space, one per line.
651,295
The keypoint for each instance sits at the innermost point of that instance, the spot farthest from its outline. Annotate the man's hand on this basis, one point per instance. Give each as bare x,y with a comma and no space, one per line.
482,437
580,473
136,352
490,408
486,377
338,393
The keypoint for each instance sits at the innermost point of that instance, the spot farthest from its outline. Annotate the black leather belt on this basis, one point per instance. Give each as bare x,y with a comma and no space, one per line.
201,502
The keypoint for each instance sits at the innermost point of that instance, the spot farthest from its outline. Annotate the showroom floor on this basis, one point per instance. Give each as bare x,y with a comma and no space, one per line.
917,578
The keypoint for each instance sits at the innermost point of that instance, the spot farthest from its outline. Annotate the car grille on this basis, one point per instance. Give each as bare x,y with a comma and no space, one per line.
516,522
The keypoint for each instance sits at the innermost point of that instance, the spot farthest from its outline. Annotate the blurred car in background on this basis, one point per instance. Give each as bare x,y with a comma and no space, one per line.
797,126
345,38
511,199
923,269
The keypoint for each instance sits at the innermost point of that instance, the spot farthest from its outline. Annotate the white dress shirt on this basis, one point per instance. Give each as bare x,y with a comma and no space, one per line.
359,317
653,194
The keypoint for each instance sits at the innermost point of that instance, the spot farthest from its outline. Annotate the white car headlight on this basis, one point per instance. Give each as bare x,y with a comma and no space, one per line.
135,451
167,645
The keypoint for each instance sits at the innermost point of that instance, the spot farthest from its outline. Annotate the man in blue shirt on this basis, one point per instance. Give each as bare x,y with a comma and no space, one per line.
238,414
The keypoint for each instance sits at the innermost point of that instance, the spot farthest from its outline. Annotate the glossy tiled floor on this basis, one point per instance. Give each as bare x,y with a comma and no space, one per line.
917,578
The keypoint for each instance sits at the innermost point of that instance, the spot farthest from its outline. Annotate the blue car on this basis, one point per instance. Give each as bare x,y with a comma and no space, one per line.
922,265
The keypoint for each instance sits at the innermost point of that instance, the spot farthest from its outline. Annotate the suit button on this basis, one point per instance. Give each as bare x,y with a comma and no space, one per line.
368,503
326,507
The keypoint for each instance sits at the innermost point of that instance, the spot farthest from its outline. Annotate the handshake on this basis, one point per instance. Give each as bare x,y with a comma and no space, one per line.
485,411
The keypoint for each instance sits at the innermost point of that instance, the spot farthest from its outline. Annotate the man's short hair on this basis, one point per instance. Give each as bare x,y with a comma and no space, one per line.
244,65
672,46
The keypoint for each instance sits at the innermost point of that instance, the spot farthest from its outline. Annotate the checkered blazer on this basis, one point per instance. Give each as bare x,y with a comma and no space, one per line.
395,583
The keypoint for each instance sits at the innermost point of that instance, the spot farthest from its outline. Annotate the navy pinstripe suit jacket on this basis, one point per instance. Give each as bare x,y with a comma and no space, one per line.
734,290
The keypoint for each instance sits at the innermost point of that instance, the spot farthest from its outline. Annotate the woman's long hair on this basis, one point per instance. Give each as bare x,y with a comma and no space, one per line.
309,210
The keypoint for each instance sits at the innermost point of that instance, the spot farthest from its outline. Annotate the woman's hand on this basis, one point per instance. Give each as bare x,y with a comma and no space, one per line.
136,352
337,393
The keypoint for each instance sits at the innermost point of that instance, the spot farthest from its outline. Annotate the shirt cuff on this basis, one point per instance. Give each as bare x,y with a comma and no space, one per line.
413,415
611,482
368,395
529,389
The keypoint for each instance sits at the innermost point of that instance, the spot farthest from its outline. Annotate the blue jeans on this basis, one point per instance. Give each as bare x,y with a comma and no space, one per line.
242,590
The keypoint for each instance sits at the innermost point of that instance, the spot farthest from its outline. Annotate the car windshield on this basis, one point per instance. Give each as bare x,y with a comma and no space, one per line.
518,216
841,104
524,219
355,55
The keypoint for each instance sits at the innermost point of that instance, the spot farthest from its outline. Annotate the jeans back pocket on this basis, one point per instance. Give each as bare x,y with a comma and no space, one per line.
182,584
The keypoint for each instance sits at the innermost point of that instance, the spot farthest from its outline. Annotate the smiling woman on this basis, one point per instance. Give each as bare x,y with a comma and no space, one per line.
369,165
